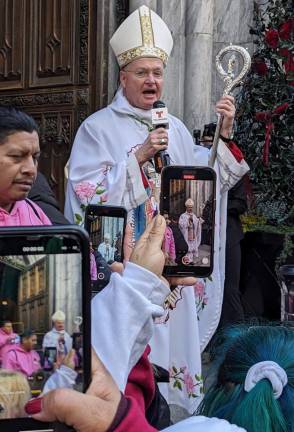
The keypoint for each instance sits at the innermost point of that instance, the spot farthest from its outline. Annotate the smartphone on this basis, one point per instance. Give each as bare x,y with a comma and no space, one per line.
106,229
42,270
188,204
50,358
77,344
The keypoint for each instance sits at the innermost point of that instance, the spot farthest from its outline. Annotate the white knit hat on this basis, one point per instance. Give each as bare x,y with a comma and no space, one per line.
142,34
58,316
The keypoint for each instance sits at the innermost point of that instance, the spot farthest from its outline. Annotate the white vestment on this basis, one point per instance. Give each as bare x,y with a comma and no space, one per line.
204,424
52,337
103,168
107,251
189,221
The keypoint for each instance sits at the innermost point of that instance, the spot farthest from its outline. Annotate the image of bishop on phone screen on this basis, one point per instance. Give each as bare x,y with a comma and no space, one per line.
106,234
188,236
42,320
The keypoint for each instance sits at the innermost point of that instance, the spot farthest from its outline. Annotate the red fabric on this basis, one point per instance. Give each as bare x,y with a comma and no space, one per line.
141,385
268,117
144,179
236,152
135,420
140,392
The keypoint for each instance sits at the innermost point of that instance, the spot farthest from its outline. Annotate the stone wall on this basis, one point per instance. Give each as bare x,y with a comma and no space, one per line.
200,29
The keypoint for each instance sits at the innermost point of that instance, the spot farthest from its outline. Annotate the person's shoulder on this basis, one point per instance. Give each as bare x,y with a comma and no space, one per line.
175,121
48,334
35,354
96,118
35,209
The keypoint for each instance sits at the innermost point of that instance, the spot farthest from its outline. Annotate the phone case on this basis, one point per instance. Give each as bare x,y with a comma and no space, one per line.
49,237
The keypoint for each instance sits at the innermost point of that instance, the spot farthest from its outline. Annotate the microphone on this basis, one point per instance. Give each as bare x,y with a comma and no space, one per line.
159,116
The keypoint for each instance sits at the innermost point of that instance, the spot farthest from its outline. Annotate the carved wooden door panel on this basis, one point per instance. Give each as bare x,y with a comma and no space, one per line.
53,64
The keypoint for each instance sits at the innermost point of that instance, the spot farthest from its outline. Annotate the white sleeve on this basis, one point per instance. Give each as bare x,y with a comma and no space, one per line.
231,171
94,176
64,377
122,317
201,423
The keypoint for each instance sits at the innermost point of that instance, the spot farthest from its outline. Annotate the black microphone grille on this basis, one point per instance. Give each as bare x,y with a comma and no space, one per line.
159,104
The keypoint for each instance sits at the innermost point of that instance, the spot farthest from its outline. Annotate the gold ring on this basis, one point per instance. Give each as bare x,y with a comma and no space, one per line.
162,141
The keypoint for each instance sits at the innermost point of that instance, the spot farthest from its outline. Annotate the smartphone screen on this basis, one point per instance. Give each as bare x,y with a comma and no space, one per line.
188,198
50,358
44,304
106,226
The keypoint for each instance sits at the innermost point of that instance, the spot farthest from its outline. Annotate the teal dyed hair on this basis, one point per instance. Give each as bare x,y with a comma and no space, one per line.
256,410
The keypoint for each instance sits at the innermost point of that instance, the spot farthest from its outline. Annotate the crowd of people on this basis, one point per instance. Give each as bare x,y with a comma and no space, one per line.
45,365
133,323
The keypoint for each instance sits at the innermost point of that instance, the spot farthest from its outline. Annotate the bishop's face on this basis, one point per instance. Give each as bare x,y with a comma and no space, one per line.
142,82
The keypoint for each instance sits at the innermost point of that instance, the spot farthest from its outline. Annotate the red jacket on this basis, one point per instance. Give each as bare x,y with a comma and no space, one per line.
139,392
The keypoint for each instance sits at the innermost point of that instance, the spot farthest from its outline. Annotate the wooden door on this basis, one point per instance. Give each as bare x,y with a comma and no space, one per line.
53,65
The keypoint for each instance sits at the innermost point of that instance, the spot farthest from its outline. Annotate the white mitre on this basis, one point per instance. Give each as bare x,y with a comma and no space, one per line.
142,34
58,316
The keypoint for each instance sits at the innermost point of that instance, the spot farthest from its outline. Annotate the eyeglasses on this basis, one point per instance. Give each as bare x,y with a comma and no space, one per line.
144,73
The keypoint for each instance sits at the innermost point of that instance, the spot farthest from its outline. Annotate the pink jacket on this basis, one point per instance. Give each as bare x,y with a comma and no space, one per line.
22,214
17,359
169,243
93,267
5,345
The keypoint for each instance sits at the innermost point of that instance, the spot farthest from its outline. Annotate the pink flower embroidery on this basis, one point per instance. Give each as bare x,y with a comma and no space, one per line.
85,191
199,288
182,379
188,381
104,198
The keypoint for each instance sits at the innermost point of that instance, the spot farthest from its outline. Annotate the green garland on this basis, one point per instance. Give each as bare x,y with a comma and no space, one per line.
265,119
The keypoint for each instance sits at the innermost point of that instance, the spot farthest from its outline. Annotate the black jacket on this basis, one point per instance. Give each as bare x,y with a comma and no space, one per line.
237,205
42,194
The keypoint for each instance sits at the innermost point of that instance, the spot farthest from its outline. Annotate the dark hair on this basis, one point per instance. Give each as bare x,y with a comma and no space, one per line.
6,321
27,334
13,120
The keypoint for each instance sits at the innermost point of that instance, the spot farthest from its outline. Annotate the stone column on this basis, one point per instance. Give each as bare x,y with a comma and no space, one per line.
135,4
199,40
173,13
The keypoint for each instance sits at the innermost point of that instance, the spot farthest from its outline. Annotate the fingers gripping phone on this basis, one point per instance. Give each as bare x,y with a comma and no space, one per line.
188,205
106,228
45,297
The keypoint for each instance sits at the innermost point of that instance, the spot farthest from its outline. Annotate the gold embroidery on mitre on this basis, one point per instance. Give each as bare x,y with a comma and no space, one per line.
143,51
147,31
147,49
